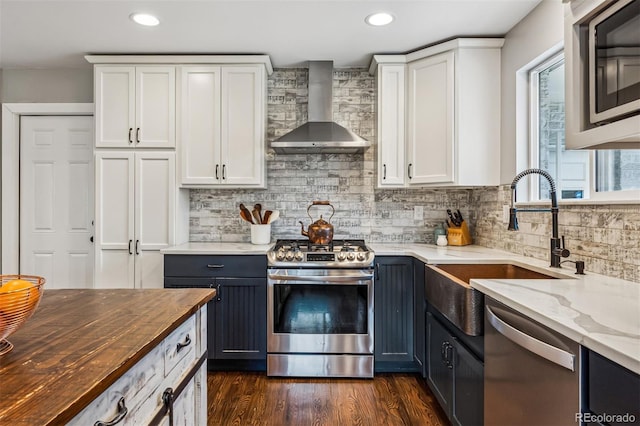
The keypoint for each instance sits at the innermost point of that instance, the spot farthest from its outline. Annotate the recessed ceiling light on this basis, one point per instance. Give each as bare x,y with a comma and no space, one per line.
144,19
379,19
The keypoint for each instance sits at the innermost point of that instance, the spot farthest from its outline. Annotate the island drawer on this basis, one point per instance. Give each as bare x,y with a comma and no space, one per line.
133,389
179,348
179,265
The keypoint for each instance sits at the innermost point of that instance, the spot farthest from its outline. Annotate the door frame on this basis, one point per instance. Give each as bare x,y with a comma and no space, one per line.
10,215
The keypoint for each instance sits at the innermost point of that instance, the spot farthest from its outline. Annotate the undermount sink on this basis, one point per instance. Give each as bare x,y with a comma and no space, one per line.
447,289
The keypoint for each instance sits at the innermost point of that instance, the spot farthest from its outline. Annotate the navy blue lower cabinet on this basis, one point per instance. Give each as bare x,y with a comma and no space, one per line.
237,317
612,392
454,374
419,311
394,314
239,322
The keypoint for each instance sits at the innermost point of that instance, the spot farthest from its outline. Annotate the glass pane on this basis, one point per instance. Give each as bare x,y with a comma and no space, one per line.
550,122
569,169
617,170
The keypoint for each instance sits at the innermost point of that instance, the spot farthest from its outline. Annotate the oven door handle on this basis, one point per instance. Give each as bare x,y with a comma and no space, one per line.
327,279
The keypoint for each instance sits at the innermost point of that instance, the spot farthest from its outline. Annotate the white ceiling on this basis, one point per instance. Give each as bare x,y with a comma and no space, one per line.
55,33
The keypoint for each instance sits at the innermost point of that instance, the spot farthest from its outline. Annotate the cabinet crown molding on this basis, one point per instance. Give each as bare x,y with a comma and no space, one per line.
469,43
182,59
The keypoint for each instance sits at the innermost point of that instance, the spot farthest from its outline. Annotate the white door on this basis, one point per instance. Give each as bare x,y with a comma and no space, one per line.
431,113
114,238
56,199
154,215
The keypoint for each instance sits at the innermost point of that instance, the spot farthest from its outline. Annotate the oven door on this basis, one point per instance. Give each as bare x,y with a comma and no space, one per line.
320,311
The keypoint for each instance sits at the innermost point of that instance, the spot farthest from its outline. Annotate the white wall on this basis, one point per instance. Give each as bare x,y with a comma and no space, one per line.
47,85
540,31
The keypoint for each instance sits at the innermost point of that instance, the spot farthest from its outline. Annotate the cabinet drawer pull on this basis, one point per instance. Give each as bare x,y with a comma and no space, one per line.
137,247
217,167
186,343
130,130
384,172
215,266
122,411
130,241
224,172
138,135
409,170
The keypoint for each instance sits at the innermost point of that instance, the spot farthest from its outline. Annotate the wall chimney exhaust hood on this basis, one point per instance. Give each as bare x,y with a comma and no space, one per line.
320,135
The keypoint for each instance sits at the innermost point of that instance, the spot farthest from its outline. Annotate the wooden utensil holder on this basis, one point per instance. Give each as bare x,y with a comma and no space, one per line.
459,235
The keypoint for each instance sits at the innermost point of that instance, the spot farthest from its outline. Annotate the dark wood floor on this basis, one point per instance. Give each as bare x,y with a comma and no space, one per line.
255,399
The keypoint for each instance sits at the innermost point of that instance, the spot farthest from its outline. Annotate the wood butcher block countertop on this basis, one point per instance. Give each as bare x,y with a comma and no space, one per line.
79,342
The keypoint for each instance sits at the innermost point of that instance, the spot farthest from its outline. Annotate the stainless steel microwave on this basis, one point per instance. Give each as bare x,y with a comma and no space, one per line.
614,62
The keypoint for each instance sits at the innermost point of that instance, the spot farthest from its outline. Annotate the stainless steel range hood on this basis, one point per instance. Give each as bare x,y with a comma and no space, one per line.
320,134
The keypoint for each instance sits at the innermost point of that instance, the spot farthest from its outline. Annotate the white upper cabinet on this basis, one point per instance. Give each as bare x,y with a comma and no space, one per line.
135,106
430,130
447,133
222,112
391,125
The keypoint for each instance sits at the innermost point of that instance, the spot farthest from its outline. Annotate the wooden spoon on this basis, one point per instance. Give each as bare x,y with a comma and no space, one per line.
256,216
267,215
258,207
274,216
245,213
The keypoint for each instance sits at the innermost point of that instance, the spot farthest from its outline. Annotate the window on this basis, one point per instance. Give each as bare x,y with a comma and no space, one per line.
579,174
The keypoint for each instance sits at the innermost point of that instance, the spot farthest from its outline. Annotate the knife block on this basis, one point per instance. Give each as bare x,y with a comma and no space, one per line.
459,235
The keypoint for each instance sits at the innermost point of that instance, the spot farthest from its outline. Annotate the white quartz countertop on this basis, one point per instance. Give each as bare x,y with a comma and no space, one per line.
599,312
217,248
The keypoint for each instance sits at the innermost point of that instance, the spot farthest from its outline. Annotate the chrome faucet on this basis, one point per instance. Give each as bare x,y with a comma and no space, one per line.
557,249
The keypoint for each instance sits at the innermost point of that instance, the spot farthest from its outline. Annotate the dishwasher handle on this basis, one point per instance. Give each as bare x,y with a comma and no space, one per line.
538,347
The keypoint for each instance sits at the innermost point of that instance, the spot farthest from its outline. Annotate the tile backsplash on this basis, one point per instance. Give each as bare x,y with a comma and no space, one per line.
606,237
348,181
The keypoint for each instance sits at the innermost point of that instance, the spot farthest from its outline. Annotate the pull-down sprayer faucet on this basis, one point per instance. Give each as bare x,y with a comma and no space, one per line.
557,249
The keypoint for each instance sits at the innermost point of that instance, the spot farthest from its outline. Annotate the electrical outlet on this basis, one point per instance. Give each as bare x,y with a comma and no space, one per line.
505,214
418,212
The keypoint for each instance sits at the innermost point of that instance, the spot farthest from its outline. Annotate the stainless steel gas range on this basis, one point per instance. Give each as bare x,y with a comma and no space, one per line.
320,309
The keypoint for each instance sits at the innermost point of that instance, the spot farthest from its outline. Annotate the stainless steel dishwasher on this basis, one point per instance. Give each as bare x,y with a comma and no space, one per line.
531,374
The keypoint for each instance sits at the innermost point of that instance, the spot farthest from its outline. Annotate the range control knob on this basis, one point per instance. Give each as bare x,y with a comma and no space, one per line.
299,256
342,256
289,255
361,257
351,256
280,255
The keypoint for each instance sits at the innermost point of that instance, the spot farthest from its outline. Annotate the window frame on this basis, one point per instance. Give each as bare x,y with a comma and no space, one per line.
531,195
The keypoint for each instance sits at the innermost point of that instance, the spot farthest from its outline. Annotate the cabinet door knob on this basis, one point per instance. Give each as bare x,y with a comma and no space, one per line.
122,411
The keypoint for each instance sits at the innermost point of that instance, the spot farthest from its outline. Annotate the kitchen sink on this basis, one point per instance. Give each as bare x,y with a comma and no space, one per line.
448,290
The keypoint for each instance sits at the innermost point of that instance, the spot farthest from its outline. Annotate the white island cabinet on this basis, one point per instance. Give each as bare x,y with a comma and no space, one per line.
439,120
173,373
